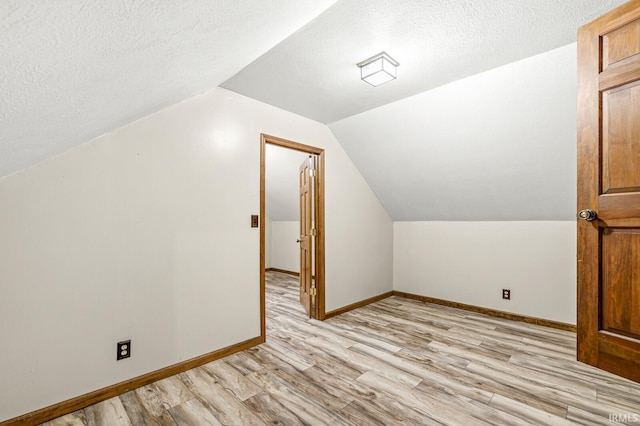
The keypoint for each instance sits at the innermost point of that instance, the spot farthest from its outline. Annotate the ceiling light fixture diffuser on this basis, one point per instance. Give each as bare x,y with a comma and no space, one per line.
378,69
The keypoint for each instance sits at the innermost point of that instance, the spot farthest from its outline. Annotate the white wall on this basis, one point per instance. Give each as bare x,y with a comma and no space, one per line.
500,147
471,262
284,248
144,233
282,182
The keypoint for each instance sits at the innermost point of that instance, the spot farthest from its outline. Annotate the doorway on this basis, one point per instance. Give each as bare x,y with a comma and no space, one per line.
318,306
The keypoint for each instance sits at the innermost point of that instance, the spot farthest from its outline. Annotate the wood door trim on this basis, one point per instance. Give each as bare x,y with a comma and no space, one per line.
588,178
265,139
491,312
306,240
69,406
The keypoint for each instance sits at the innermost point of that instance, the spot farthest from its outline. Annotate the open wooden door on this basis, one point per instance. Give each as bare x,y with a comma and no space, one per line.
306,233
609,192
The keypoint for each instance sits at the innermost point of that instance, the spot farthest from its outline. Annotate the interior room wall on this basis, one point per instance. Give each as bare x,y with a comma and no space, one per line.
144,233
507,137
282,193
471,262
285,249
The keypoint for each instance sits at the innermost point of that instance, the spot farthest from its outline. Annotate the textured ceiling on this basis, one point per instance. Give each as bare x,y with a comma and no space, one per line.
313,72
71,70
496,146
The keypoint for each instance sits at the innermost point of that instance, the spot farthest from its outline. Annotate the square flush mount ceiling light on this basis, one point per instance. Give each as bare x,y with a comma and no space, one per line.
378,69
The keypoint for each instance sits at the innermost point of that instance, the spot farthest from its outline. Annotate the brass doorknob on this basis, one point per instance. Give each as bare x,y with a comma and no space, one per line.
588,215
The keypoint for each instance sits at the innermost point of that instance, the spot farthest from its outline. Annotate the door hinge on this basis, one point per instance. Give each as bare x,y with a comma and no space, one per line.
312,232
313,291
312,172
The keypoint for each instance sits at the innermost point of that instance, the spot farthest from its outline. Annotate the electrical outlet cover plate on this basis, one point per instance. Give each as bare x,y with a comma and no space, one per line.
506,294
123,350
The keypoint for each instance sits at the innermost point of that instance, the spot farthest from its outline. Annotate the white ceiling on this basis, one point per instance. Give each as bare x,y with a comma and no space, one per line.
496,146
282,170
314,73
71,70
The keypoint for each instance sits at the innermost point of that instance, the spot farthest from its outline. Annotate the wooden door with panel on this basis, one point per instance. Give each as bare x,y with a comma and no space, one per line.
609,192
306,231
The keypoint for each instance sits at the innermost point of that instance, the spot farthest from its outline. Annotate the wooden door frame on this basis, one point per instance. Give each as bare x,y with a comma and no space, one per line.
319,310
588,315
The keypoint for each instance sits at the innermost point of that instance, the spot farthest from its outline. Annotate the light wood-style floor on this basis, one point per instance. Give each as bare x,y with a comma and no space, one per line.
395,362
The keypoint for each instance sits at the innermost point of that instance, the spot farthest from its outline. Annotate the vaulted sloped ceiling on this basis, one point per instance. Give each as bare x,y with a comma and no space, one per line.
477,127
314,72
428,143
495,146
71,70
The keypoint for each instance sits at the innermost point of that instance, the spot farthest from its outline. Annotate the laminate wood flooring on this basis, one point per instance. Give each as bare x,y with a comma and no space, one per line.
395,362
